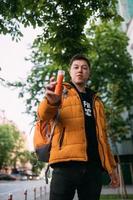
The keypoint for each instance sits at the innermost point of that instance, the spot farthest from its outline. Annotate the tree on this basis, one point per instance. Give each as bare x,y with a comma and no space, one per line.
10,139
51,15
19,154
6,144
111,74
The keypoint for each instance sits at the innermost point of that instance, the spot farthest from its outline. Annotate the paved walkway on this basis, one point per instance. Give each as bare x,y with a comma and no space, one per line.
105,191
108,190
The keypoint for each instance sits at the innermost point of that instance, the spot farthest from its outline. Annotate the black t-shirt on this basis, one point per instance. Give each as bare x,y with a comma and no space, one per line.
90,127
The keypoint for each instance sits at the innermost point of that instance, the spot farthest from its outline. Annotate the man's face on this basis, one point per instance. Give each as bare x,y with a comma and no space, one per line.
79,72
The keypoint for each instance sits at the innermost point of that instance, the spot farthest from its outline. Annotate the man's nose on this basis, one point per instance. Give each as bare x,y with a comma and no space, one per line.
80,69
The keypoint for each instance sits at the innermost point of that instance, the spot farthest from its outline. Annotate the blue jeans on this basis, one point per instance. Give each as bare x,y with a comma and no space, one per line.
87,180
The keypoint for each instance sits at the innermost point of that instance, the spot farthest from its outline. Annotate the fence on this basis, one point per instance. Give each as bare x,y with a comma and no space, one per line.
38,194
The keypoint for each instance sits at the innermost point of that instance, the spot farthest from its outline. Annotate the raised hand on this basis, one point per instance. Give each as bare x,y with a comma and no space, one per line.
52,98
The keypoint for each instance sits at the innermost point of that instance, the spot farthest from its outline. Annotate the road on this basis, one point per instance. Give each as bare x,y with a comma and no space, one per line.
17,188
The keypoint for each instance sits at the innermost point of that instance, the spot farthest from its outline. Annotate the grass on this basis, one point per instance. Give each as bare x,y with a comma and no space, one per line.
115,197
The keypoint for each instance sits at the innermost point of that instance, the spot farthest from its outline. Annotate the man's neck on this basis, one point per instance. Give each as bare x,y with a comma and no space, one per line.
80,87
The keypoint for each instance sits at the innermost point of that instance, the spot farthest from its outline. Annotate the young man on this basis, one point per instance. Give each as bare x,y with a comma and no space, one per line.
80,150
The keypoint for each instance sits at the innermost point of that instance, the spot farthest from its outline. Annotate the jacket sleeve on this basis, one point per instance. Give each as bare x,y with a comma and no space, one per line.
109,151
102,126
46,111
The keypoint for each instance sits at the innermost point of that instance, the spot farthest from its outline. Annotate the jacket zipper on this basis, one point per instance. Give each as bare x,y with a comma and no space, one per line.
98,130
61,138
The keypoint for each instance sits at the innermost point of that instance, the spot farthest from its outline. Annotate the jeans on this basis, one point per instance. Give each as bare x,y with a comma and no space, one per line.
87,180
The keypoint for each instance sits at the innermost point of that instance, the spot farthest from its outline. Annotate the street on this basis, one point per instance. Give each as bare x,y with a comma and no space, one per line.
17,188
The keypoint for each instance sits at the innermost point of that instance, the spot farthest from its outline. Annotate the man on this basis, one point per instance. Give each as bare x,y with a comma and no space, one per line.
80,150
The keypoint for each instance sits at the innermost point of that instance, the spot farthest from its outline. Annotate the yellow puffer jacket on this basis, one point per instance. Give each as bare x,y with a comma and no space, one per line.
69,141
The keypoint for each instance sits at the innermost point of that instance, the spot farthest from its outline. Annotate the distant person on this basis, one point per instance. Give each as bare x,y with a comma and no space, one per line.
80,150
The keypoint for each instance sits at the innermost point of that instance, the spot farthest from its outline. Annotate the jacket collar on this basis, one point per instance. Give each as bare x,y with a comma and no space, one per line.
69,85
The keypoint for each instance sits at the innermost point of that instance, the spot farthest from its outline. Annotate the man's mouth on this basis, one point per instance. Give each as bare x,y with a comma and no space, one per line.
79,75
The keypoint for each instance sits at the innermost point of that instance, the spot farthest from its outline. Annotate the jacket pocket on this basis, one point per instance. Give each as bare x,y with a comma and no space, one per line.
61,138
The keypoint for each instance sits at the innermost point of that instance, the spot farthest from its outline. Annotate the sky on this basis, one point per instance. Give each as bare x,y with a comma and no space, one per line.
13,68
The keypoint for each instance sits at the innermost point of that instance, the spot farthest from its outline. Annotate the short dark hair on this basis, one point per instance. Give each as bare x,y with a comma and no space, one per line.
79,57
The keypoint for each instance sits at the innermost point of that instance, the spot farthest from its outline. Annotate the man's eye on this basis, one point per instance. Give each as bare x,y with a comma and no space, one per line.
85,67
75,67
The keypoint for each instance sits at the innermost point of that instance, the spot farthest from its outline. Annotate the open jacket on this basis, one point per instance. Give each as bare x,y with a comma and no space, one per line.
69,142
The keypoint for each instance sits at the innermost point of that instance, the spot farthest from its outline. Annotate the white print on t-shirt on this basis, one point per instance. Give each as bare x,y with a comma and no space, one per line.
87,108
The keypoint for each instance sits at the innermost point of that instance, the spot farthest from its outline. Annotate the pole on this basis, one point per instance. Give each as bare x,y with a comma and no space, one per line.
10,196
25,194
41,193
34,193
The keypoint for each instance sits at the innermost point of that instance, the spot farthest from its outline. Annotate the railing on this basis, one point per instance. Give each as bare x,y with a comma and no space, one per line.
38,194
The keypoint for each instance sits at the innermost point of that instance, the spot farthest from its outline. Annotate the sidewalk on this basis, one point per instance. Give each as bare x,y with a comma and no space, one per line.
106,190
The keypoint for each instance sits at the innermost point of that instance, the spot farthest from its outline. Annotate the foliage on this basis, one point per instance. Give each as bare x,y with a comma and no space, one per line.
19,155
10,144
111,74
111,63
12,149
52,15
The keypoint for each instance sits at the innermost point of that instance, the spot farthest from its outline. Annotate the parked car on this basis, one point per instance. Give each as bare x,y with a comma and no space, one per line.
24,175
4,176
20,177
